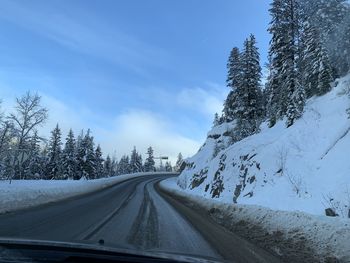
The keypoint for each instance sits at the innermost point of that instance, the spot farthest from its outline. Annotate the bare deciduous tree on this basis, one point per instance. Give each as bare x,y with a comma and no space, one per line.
29,114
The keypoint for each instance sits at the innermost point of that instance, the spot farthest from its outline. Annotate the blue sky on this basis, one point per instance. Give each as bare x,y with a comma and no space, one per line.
136,72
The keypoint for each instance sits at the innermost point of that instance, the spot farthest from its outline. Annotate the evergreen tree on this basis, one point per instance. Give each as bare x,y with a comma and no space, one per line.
324,73
233,82
139,163
54,155
149,162
318,72
69,160
8,169
168,167
287,96
329,17
86,158
114,167
277,99
36,161
124,165
179,162
99,169
342,56
249,111
135,161
216,121
107,167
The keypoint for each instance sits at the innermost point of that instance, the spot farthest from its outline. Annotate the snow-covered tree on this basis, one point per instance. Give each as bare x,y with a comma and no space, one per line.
324,73
99,170
124,165
135,161
36,161
53,169
86,158
233,82
6,135
179,162
287,95
107,166
330,17
168,167
317,68
249,110
28,116
277,97
216,120
149,162
69,159
114,166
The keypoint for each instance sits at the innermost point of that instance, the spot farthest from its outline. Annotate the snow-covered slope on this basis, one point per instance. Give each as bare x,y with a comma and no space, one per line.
305,167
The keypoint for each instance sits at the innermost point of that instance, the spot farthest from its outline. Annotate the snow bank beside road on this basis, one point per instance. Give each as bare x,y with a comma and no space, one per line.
294,236
28,193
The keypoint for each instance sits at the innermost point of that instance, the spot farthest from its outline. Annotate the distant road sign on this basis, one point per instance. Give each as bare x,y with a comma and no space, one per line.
162,157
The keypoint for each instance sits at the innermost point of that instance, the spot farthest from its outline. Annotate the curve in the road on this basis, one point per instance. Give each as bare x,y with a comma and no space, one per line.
132,214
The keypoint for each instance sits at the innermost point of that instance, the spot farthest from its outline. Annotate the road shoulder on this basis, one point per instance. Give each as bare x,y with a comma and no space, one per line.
229,245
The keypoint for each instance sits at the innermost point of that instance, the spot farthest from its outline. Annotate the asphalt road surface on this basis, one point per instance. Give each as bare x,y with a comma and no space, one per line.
133,214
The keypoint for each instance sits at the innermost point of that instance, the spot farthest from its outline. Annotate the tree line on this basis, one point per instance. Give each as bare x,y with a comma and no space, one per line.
24,154
309,49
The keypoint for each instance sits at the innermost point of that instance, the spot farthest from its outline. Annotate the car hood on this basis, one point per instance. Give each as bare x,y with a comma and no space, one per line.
10,246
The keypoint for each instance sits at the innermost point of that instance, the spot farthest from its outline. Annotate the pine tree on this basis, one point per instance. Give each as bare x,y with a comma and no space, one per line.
249,111
114,166
318,72
168,167
54,155
35,159
135,161
233,82
139,164
124,165
8,169
324,73
99,169
277,96
216,121
86,158
107,167
179,162
342,56
69,160
149,162
287,95
329,16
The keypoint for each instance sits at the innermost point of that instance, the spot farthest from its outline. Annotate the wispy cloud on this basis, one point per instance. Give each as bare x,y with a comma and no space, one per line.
89,36
207,100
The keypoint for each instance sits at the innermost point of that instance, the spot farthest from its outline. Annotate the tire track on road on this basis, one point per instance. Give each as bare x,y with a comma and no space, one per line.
110,216
144,231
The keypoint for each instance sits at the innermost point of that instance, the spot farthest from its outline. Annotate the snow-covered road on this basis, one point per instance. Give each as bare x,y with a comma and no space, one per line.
134,215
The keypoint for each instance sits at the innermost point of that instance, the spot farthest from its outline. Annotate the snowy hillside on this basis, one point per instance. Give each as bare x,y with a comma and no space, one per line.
304,167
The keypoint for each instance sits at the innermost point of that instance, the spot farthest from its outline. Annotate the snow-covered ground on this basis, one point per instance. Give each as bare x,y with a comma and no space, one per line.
302,168
27,193
328,238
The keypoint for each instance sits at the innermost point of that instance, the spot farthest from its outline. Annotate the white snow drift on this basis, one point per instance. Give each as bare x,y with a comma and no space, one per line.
328,237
